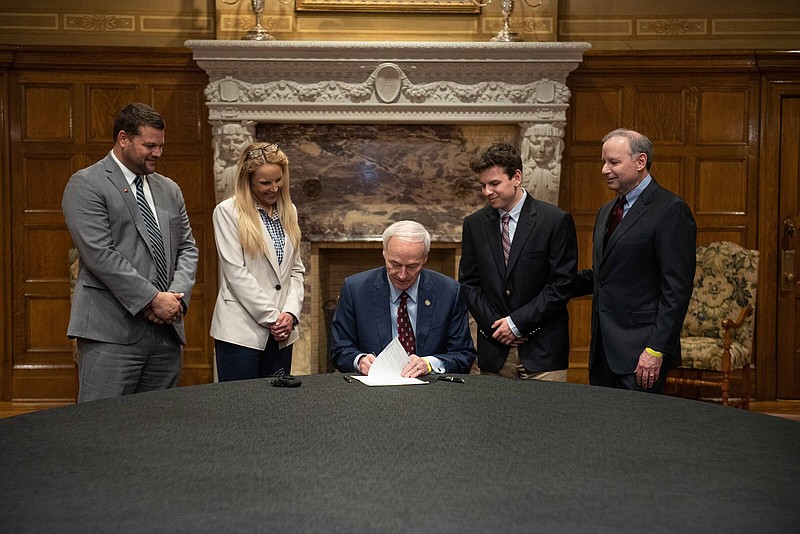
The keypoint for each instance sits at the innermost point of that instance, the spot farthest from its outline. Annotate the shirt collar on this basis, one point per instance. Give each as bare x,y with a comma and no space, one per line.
631,197
265,211
412,291
516,210
130,176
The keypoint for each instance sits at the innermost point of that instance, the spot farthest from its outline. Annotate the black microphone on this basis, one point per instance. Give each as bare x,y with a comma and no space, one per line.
282,380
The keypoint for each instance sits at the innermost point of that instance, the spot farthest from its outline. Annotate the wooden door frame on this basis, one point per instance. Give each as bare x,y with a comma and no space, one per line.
779,80
6,57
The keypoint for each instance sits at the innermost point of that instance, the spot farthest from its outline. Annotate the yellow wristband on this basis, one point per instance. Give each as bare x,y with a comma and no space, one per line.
430,367
654,353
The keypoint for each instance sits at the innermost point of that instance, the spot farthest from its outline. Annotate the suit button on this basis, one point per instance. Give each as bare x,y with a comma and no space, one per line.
278,287
508,292
601,284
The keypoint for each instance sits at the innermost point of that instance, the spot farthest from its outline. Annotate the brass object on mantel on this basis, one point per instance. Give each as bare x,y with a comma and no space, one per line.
506,34
257,32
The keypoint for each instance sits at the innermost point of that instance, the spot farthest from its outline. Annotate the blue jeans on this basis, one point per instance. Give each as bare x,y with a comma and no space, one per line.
235,362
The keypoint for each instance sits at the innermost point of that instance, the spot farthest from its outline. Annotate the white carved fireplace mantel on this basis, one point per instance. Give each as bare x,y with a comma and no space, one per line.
332,87
253,82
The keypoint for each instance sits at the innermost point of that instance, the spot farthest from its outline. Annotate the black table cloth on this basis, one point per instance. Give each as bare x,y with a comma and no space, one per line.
488,455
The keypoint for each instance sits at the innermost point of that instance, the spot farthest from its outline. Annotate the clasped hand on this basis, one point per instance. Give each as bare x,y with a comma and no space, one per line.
504,334
283,326
165,308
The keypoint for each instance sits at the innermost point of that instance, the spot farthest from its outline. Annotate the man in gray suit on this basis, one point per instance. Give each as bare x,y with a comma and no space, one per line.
138,260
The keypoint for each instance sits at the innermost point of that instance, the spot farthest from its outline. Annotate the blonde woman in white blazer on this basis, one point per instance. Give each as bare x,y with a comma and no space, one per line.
261,290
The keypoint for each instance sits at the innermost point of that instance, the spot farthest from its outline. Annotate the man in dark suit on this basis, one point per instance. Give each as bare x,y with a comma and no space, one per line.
137,263
372,302
518,265
643,263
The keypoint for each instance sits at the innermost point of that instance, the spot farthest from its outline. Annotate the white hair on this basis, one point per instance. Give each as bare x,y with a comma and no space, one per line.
408,231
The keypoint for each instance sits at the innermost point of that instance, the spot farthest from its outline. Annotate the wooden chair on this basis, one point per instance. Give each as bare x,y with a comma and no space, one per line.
714,346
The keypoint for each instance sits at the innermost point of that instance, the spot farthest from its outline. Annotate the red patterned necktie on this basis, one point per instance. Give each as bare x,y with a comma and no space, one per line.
404,330
616,217
506,237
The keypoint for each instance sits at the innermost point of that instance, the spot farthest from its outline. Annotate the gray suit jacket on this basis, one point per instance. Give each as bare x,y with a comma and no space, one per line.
117,274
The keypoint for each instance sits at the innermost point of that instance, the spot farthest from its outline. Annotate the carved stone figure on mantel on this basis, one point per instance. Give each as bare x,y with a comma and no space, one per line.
229,139
541,149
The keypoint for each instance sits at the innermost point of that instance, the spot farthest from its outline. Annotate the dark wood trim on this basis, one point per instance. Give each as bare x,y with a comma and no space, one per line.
665,61
104,57
6,264
766,323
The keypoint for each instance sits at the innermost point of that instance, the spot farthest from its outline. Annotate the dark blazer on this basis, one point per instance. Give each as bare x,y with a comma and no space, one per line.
533,290
642,282
362,321
117,274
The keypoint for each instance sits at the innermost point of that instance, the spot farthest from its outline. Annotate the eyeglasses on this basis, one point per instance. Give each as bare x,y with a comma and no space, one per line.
261,152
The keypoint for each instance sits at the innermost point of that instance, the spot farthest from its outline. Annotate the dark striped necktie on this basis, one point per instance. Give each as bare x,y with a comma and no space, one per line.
506,236
156,242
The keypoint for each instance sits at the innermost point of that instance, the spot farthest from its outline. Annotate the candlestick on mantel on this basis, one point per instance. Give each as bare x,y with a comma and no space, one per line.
506,34
257,32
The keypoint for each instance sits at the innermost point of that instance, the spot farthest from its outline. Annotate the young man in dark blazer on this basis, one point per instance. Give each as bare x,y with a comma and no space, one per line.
642,271
518,266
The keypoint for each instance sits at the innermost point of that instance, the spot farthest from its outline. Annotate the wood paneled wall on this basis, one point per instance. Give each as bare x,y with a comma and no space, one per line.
702,110
61,110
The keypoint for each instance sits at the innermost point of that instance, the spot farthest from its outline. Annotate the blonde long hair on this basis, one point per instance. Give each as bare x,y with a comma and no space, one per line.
251,228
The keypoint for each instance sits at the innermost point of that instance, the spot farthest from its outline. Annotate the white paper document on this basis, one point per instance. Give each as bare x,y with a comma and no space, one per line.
386,368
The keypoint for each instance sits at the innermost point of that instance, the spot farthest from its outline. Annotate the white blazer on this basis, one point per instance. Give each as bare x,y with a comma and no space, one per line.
253,291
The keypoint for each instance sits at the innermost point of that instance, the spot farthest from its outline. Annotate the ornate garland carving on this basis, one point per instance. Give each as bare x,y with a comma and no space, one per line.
230,90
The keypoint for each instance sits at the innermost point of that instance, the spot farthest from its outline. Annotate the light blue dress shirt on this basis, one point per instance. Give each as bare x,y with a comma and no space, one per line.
634,195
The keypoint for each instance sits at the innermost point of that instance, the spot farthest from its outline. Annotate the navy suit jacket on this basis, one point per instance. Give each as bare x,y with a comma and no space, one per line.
642,282
534,289
362,321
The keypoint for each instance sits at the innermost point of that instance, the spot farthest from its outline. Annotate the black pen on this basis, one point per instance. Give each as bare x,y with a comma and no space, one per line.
453,379
347,379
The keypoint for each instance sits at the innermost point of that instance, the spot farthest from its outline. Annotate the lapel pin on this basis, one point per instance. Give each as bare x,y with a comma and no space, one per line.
125,190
